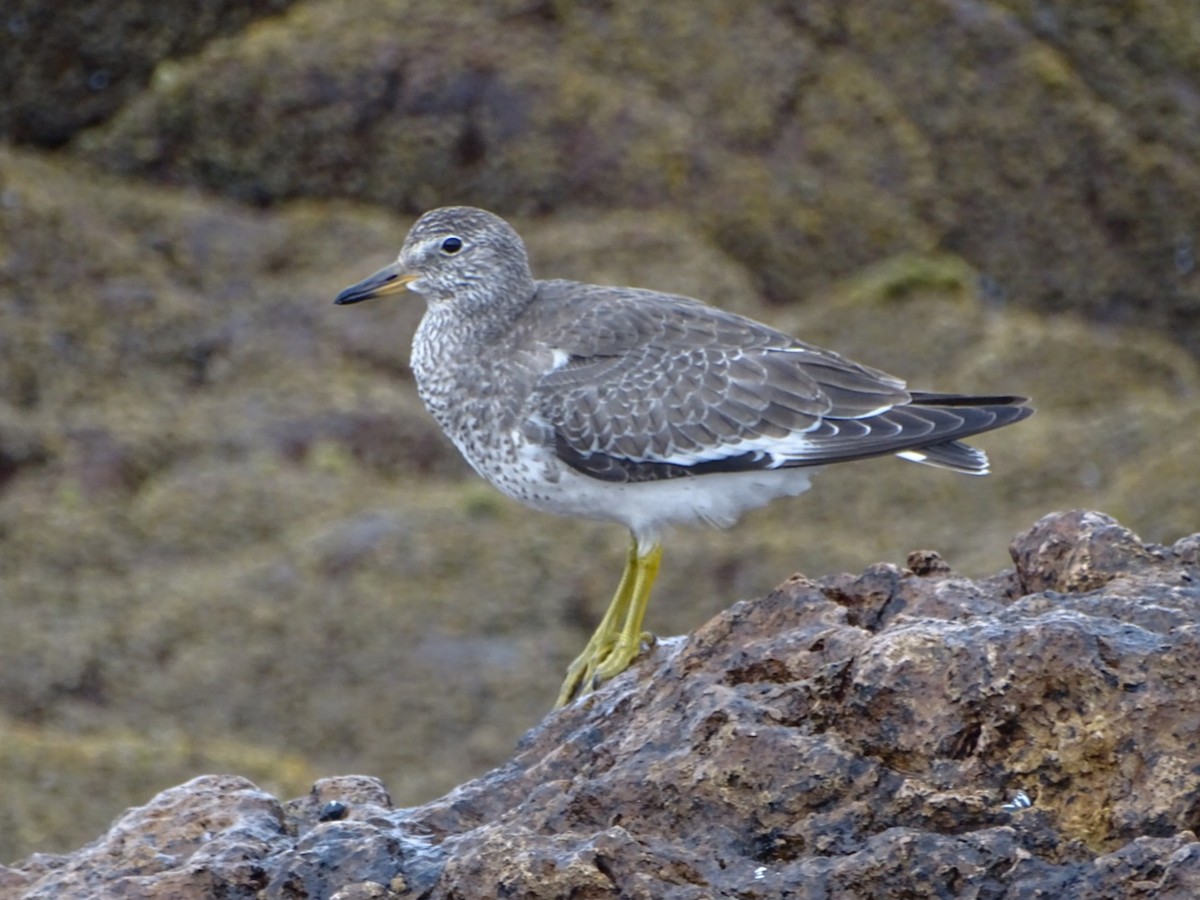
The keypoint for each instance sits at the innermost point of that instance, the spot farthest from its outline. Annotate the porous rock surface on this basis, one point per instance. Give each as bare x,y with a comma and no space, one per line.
852,737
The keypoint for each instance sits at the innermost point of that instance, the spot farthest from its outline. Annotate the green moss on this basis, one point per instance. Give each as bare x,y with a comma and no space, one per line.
912,276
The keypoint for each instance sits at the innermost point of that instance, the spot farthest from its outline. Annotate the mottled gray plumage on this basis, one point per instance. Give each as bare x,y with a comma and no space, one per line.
641,407
627,386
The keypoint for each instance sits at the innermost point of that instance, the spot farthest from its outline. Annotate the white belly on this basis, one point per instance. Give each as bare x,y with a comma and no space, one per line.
647,508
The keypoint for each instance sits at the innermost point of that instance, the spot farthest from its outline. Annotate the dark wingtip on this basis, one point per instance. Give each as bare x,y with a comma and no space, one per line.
932,398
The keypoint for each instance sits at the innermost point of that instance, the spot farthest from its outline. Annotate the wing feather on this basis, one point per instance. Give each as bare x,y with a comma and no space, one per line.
656,386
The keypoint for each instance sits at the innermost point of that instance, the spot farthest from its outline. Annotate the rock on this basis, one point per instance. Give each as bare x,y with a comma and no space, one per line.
1075,552
902,733
209,835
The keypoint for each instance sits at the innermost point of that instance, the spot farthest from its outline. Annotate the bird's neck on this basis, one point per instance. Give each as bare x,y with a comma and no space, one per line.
467,323
448,333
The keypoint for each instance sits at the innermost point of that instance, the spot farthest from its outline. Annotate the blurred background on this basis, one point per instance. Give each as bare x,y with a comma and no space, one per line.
231,539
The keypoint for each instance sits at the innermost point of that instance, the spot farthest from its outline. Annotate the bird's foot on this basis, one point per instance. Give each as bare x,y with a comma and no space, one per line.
621,657
581,674
601,663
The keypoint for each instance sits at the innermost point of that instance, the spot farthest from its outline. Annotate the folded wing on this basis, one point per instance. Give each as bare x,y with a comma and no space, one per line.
651,386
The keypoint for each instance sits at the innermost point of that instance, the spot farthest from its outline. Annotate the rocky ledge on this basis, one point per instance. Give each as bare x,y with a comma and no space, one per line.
903,733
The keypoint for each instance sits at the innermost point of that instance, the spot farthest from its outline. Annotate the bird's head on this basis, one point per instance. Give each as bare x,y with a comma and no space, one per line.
457,254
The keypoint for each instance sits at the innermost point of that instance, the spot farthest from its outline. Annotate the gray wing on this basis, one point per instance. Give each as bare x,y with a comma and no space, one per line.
650,386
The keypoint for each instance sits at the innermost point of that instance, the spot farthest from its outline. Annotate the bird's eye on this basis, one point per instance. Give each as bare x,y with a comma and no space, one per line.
452,245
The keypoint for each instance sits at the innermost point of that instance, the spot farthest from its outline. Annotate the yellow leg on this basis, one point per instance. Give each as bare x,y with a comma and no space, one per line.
618,638
629,641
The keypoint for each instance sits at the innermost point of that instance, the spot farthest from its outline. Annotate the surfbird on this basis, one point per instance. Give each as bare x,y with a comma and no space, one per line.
639,407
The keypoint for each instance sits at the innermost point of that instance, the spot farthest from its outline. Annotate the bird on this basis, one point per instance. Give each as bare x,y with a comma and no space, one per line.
642,408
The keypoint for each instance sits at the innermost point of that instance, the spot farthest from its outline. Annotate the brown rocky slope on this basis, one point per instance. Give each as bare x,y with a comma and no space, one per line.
846,737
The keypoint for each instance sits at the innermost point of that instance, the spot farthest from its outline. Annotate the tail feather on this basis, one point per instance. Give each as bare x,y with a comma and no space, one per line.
932,398
953,455
956,455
